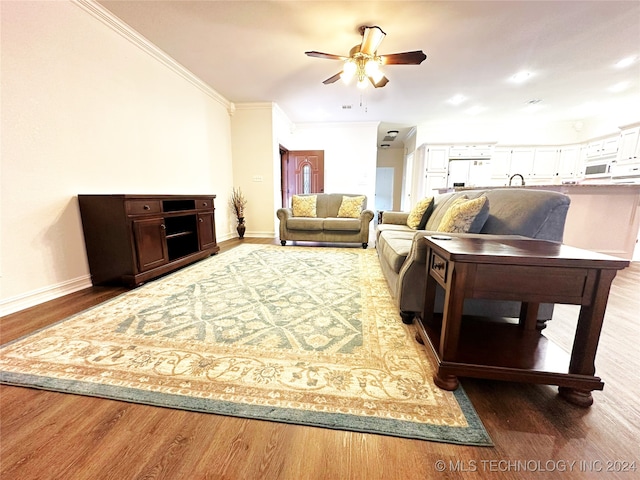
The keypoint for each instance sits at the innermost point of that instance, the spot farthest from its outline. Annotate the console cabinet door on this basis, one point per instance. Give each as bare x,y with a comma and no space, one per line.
206,230
150,243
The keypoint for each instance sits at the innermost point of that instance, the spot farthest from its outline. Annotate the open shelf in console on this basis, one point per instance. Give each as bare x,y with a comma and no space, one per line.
182,235
177,205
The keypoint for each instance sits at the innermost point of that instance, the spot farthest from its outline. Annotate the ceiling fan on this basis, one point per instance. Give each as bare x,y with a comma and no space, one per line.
364,63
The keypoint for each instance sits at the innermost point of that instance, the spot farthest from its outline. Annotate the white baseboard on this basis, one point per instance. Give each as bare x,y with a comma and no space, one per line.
41,295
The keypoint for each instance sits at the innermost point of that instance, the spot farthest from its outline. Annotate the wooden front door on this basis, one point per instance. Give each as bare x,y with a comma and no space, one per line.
302,172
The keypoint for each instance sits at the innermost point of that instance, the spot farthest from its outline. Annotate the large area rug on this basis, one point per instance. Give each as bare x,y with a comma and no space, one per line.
304,335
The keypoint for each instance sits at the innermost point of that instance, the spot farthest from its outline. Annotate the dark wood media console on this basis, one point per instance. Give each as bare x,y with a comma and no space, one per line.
131,239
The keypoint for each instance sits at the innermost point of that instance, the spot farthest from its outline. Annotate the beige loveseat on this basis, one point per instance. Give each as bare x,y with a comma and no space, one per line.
326,226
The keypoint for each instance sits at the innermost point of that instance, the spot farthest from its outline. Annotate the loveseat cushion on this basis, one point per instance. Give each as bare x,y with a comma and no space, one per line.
342,224
305,223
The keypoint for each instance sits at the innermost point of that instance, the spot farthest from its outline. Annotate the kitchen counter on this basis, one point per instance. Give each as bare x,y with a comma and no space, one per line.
602,217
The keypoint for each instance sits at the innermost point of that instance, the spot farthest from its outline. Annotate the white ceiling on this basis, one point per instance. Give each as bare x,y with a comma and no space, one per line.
253,51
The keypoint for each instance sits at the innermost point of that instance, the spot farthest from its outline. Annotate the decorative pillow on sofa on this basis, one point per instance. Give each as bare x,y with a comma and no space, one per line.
465,216
351,207
304,205
417,215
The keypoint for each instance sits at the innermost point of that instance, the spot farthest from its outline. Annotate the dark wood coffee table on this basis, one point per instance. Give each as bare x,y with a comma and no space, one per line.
525,270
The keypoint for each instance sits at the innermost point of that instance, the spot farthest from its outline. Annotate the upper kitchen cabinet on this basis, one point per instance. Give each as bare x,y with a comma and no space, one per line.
437,158
629,145
569,165
545,164
470,151
607,147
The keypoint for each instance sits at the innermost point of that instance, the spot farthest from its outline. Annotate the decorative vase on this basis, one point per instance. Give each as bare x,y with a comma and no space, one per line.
241,227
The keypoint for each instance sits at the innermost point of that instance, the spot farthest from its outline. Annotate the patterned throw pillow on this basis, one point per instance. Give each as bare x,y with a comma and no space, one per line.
465,216
416,215
304,205
351,207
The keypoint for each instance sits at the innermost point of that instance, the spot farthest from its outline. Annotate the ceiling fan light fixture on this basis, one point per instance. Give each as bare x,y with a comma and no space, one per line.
362,83
372,67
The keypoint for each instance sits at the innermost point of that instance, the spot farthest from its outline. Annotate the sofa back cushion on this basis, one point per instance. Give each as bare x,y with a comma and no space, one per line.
328,204
531,213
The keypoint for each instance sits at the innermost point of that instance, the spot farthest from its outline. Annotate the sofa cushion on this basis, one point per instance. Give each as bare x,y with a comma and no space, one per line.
342,224
465,216
394,246
304,205
305,223
416,214
351,207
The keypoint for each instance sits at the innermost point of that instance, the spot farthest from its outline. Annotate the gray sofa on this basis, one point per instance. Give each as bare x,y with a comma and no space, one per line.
326,226
538,214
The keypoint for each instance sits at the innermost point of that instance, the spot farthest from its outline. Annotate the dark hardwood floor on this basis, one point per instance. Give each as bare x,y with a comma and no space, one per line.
537,435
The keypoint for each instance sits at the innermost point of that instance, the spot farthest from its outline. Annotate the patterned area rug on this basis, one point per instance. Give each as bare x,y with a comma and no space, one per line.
304,335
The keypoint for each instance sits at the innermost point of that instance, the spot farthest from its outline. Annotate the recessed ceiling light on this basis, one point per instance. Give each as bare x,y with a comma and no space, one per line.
521,77
392,133
385,145
619,87
457,99
626,62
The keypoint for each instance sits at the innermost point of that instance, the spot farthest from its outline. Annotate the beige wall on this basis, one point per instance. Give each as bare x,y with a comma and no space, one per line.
253,165
86,110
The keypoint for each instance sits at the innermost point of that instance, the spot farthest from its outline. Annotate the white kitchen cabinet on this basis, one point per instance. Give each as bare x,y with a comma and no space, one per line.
500,166
629,146
470,151
434,181
569,162
522,160
437,158
545,163
607,147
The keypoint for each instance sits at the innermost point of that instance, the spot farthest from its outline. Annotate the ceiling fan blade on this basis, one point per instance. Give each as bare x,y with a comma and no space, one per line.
405,58
380,83
333,79
328,56
371,39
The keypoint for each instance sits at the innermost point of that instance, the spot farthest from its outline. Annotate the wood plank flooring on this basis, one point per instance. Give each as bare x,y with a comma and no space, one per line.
537,435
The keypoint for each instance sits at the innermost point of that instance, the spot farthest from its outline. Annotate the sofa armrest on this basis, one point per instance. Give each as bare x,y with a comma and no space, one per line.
284,213
395,218
366,216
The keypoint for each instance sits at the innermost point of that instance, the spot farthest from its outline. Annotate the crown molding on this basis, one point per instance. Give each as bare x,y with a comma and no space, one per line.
124,30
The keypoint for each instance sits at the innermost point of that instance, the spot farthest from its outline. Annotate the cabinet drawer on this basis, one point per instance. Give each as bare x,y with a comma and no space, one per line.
438,267
141,207
204,203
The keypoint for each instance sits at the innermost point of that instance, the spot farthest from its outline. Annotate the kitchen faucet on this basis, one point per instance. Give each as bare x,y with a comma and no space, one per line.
516,175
